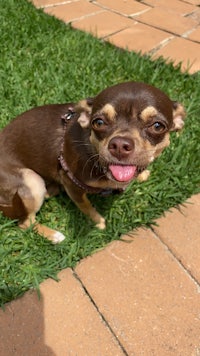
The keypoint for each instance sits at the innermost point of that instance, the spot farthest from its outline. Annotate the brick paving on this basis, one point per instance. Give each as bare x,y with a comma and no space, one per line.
139,296
156,27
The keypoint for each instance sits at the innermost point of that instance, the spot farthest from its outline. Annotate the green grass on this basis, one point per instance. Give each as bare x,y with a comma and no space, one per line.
44,61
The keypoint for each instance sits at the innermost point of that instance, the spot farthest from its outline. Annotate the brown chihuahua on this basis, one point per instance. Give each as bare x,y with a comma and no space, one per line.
99,144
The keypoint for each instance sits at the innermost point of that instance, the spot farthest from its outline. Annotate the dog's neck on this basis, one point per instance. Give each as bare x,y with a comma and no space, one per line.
75,180
63,163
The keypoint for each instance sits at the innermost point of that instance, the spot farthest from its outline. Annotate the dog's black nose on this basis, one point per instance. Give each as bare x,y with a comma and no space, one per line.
121,147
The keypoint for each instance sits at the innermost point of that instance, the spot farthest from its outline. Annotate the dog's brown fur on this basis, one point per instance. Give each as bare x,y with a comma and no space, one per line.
101,142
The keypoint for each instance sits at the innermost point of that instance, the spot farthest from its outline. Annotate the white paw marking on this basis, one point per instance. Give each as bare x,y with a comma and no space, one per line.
143,176
102,224
57,237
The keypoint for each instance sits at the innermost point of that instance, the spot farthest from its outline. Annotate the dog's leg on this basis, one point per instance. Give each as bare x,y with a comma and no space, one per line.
82,202
86,207
53,189
32,194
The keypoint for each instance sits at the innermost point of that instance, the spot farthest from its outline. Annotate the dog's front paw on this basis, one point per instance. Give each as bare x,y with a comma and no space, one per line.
57,237
142,177
101,224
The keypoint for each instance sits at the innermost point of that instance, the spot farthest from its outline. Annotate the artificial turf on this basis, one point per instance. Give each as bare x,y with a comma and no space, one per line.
44,61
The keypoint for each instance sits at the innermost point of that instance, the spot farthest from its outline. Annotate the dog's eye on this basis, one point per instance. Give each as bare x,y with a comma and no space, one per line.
157,127
98,123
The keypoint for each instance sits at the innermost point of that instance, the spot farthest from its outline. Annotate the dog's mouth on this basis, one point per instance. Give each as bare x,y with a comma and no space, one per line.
123,173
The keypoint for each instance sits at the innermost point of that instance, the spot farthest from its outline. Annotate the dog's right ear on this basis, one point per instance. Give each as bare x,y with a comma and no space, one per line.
84,107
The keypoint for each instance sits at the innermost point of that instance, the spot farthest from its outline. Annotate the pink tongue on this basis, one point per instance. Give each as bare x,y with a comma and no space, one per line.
123,173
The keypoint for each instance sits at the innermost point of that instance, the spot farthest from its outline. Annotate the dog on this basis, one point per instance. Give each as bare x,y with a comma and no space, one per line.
96,145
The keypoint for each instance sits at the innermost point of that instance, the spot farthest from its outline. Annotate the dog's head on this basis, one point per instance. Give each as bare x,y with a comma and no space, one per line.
129,125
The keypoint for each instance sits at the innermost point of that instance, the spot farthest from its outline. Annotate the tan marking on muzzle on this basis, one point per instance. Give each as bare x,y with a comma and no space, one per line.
94,141
162,145
157,149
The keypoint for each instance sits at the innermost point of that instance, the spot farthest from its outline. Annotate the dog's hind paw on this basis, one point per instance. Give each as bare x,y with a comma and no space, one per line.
57,237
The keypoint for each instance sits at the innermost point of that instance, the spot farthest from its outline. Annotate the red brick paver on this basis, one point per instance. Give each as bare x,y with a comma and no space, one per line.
175,231
63,322
128,8
190,62
150,302
140,38
103,24
140,296
168,21
195,35
180,7
71,11
155,27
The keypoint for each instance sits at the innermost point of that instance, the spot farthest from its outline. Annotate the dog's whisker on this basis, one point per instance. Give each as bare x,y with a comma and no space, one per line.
94,157
100,177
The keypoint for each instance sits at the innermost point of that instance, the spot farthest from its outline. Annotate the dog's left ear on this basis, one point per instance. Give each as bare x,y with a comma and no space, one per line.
178,116
85,108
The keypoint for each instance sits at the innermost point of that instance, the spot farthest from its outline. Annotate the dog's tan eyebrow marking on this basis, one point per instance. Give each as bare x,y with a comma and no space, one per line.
148,112
83,105
109,111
